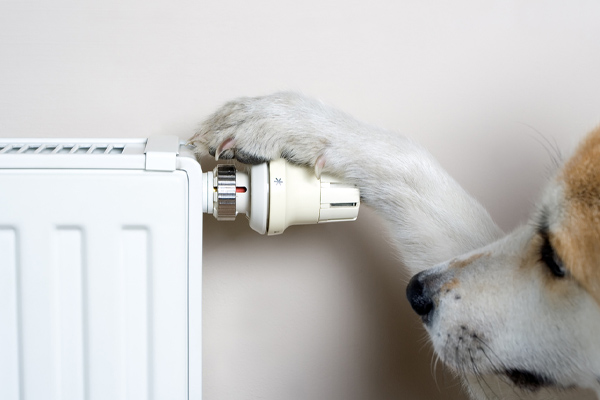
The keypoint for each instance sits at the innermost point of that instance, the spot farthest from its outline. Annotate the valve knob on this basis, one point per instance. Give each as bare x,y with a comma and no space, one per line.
225,194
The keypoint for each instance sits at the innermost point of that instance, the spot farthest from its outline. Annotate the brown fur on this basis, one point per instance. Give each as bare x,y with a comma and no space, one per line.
578,238
463,263
450,285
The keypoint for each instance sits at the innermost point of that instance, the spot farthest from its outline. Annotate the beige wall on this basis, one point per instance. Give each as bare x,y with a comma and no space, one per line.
319,312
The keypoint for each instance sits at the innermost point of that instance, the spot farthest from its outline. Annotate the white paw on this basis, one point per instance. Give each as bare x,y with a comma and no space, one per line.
254,130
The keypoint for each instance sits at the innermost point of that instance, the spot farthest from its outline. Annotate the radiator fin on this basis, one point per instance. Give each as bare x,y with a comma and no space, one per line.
136,289
69,309
10,353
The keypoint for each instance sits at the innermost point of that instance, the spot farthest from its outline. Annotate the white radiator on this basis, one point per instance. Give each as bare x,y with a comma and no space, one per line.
100,270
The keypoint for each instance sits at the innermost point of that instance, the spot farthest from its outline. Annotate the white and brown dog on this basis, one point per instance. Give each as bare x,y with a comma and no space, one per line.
520,311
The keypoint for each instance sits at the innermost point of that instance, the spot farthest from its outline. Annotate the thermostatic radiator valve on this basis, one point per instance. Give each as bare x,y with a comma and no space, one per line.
276,195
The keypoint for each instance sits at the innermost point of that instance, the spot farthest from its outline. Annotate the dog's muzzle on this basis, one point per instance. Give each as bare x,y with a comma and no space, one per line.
419,298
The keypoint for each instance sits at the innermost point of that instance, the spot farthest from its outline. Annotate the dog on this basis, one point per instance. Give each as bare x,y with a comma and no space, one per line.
514,314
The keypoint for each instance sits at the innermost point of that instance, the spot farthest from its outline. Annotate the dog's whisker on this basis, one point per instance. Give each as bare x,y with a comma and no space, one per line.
485,353
551,147
499,366
432,365
481,377
437,359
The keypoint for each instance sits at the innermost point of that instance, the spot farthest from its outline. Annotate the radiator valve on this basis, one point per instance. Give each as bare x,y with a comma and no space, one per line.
276,195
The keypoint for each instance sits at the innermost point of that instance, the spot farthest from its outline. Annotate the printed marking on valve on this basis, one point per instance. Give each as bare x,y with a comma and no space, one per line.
278,181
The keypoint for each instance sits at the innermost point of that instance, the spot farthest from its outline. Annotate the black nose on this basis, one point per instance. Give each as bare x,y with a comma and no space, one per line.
419,300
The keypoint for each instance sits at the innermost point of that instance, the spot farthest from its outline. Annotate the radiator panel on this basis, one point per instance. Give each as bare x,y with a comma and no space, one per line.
93,284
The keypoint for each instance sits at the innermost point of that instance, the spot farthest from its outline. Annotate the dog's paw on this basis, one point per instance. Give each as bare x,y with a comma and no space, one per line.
259,129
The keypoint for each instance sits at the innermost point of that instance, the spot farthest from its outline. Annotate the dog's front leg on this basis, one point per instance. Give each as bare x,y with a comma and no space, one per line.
431,217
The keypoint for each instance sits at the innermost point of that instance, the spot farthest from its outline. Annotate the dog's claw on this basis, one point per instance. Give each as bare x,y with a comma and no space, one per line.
226,145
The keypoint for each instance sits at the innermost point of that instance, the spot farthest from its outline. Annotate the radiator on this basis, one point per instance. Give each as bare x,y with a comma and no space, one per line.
100,269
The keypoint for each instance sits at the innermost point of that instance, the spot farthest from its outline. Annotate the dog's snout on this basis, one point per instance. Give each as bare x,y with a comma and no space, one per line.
418,297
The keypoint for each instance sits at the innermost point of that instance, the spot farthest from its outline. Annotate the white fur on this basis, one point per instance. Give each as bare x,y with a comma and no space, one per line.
500,317
495,319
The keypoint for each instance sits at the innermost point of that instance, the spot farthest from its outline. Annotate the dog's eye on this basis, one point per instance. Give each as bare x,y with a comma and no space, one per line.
551,259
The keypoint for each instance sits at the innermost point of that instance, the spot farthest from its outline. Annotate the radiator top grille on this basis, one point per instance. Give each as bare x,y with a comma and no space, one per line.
60,148
158,153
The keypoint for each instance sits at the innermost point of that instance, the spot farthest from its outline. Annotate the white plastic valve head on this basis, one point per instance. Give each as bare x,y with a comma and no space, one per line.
298,197
277,195
258,214
339,200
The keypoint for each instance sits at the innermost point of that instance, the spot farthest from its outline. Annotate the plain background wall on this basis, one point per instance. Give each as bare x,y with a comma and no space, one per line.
319,312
